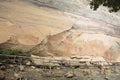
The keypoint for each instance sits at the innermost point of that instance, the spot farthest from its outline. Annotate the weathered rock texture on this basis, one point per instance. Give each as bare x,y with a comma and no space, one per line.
76,42
95,33
14,42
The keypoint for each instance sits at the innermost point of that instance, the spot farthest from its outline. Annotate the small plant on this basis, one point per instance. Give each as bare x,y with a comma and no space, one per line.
14,52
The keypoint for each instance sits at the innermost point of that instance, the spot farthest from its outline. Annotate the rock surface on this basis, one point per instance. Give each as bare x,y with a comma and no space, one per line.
76,42
30,24
14,43
95,33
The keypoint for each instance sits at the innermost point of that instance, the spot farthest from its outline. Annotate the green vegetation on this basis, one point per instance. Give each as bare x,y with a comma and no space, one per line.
14,52
113,5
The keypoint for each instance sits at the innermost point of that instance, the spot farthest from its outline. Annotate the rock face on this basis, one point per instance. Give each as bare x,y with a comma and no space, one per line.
81,7
31,24
15,43
76,42
95,33
15,19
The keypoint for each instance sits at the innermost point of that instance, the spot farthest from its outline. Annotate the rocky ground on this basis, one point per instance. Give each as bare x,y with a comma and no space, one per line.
23,69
